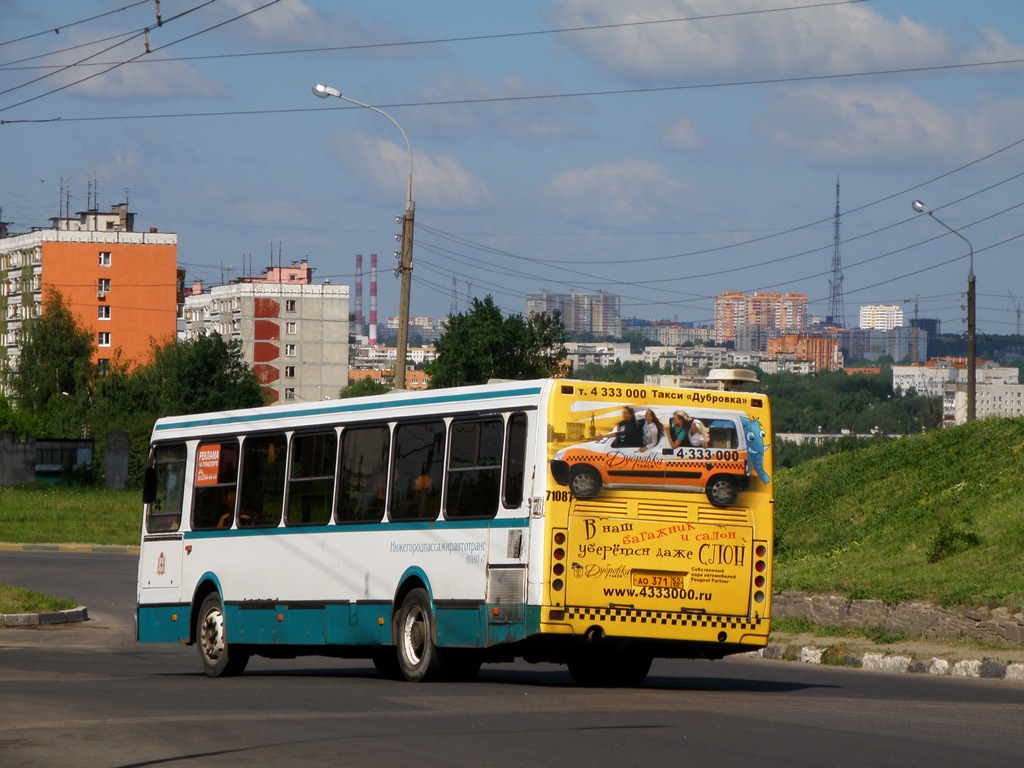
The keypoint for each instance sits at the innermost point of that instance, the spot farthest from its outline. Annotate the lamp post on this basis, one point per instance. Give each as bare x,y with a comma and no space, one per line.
405,260
920,207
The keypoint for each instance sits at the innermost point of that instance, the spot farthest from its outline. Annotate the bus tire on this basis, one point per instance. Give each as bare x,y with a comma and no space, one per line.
721,491
217,657
418,659
584,482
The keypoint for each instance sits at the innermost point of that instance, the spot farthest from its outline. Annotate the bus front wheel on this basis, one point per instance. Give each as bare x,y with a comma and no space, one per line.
217,657
418,658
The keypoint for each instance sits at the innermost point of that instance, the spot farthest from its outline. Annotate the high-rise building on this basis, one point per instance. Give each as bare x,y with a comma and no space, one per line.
766,310
822,351
122,286
598,313
882,317
293,332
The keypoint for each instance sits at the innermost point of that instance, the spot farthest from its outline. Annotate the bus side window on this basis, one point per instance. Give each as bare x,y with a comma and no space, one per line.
311,483
263,468
167,469
515,460
363,477
215,483
474,467
418,470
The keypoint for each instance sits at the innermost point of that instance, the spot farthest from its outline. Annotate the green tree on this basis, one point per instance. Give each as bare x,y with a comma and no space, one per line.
55,356
481,344
206,373
50,384
363,387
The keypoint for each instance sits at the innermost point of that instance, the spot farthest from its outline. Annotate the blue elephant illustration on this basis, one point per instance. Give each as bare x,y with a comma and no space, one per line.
755,447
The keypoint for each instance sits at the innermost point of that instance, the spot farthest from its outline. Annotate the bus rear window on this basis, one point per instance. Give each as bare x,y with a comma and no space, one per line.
311,482
474,468
419,470
263,469
363,479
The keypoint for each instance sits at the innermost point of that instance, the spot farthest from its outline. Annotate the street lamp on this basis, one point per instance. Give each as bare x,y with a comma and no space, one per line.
920,207
405,260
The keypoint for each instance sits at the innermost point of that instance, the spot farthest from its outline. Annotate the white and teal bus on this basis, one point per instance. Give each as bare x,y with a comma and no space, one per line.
435,531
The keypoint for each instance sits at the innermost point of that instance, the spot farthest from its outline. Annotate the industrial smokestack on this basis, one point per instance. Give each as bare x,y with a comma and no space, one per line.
373,299
360,328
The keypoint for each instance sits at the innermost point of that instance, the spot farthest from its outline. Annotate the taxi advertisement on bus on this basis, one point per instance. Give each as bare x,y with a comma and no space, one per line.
662,491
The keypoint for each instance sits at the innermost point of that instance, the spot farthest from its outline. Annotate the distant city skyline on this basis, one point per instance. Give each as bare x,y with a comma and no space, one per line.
547,153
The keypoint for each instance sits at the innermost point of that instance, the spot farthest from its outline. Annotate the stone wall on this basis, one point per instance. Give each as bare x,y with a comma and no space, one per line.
17,459
998,626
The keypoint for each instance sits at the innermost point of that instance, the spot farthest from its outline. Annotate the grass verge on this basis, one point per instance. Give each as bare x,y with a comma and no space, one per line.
18,600
32,514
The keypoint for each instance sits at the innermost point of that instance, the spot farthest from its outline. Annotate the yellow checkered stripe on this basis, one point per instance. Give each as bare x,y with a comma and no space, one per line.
661,618
739,467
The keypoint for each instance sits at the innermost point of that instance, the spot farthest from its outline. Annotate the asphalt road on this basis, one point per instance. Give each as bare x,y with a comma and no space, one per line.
88,695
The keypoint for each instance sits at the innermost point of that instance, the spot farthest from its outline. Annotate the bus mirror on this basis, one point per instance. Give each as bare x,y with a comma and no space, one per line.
149,486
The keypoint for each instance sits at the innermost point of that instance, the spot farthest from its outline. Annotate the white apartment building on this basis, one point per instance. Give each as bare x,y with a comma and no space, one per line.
584,353
997,390
883,317
931,378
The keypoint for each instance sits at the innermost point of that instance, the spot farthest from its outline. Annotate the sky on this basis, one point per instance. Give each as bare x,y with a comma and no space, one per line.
666,150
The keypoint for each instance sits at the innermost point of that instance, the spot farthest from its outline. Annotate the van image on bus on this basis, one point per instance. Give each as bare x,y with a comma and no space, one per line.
720,466
430,532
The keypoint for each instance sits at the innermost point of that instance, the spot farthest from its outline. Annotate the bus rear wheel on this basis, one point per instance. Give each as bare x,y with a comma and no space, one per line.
418,658
217,657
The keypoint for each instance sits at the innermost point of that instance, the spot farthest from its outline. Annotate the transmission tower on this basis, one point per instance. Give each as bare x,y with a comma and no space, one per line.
835,285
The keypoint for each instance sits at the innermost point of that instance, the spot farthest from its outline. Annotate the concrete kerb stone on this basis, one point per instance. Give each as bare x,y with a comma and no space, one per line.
81,613
976,668
33,620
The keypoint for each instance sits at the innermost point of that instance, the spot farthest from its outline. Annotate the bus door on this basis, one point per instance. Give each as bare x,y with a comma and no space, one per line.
162,541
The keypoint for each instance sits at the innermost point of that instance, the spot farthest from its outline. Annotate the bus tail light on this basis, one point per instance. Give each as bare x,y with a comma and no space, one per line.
558,540
760,567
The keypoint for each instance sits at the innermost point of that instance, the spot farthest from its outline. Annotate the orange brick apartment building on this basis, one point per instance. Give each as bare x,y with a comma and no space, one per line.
121,285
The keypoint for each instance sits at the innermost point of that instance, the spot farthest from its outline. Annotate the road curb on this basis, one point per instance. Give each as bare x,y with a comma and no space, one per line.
113,549
33,620
972,668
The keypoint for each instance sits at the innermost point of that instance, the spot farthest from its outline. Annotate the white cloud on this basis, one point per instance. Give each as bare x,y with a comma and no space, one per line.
994,47
682,135
439,181
294,22
839,38
627,193
149,81
884,123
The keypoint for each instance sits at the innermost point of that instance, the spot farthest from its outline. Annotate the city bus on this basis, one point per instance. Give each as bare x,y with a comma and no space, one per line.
435,531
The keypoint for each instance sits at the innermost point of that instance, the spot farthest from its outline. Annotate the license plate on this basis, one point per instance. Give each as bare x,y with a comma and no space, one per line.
659,579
